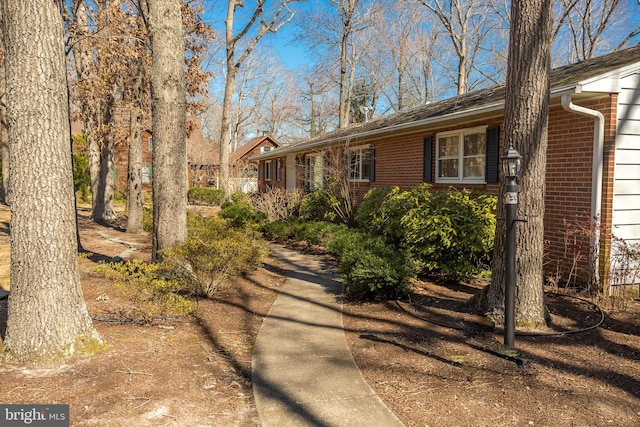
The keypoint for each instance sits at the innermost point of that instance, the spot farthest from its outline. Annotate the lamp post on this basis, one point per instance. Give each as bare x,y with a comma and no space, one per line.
511,162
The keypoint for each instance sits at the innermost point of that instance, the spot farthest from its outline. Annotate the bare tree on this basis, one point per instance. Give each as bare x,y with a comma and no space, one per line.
584,27
403,59
168,103
321,106
525,126
234,61
468,24
48,318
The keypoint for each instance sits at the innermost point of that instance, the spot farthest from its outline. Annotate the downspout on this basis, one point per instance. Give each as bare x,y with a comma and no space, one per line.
596,174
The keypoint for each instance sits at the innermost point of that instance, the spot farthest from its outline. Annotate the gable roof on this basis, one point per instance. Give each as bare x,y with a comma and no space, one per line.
490,101
252,144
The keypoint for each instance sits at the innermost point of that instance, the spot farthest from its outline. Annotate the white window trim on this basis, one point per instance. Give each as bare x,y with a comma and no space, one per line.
314,183
268,176
460,179
349,151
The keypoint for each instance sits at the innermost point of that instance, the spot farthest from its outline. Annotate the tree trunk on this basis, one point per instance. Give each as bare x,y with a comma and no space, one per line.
104,187
134,175
225,134
4,153
47,317
84,66
526,117
169,125
106,179
227,102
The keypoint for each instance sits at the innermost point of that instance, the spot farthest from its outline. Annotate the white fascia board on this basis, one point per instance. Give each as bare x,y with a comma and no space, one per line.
608,82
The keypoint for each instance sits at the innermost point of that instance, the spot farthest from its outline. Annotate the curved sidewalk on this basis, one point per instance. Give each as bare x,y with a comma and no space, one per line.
302,369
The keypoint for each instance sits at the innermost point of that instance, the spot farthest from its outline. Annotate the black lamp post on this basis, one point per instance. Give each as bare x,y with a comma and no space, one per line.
511,162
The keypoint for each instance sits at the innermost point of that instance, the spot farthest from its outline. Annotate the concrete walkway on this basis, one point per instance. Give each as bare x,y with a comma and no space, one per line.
302,370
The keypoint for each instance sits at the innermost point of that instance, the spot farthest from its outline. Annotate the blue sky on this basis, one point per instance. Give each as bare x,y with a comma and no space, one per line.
283,42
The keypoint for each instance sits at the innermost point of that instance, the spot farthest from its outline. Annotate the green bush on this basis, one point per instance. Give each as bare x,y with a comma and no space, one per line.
240,212
213,253
369,210
316,206
452,232
277,231
81,177
147,220
371,267
205,196
314,232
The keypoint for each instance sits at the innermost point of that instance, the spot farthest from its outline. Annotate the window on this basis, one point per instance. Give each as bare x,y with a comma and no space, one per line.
147,174
361,163
268,170
461,155
314,171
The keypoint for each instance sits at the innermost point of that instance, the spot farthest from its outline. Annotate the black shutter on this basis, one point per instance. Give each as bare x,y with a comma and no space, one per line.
372,163
492,159
427,173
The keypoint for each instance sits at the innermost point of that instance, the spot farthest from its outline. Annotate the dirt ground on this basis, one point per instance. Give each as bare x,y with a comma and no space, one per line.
432,363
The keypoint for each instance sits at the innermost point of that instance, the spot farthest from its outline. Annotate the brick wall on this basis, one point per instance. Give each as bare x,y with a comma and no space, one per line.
569,183
399,162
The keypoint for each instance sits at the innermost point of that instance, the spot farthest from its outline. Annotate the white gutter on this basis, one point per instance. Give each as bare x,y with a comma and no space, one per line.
598,151
596,174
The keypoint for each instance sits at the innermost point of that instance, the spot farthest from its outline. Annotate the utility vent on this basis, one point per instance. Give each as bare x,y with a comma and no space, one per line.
265,149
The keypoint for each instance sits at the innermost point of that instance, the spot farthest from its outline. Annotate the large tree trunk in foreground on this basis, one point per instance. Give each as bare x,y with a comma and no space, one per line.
169,125
47,317
526,117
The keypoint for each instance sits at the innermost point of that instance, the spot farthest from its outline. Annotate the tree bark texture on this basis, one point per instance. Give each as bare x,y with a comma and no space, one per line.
47,316
169,125
525,126
134,173
4,143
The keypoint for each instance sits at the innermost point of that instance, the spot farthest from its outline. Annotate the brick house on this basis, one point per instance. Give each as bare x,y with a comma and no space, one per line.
199,154
244,172
593,157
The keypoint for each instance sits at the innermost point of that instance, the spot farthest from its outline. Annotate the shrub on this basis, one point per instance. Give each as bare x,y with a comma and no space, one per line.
278,203
277,231
81,176
315,206
240,213
369,210
205,196
314,232
371,267
151,294
452,232
147,220
213,253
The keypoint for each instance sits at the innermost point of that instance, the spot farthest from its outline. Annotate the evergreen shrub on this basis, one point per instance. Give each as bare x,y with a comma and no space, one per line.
371,267
205,196
452,232
213,253
240,212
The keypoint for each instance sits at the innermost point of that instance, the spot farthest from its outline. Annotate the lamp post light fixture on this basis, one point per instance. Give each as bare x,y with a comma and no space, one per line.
511,163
